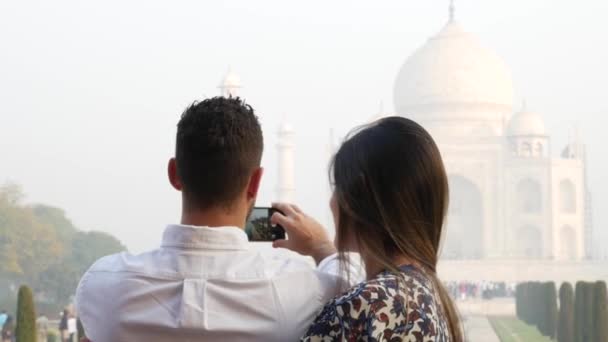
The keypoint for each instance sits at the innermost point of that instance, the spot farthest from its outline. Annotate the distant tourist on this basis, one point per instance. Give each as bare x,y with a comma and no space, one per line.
63,325
8,330
389,204
3,317
72,328
206,282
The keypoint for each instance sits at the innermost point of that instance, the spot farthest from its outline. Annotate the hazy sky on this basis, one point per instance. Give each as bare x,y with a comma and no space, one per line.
90,92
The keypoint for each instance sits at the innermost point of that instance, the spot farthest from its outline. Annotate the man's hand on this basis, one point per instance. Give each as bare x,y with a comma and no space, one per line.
306,236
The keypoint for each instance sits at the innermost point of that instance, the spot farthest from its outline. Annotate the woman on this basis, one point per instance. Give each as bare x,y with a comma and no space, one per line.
389,204
63,325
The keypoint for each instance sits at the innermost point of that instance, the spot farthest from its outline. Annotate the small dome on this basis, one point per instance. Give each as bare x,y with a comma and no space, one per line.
230,84
527,123
231,80
453,69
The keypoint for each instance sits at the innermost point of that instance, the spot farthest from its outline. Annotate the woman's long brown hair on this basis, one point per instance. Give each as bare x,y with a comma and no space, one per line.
391,192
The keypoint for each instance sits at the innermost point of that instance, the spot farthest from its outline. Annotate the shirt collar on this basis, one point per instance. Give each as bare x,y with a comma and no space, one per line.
195,237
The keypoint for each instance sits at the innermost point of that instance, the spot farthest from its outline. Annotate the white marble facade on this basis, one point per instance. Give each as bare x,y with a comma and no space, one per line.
512,194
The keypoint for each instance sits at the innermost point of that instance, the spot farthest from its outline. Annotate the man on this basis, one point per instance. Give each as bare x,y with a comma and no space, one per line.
205,283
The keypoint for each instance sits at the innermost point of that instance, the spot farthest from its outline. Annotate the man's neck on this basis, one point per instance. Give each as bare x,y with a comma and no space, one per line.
214,217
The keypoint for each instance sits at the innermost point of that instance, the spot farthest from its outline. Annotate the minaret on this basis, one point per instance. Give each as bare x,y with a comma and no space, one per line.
591,246
230,85
286,178
452,10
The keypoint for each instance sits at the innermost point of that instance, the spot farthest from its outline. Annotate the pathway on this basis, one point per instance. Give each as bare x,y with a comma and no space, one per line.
478,329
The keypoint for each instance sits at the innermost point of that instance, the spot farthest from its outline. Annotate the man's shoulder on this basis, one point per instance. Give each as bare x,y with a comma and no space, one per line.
107,271
124,261
278,263
103,265
108,263
104,275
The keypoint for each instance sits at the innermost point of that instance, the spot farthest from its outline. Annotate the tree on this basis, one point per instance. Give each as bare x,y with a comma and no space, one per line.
23,256
600,312
536,305
589,310
579,310
26,316
565,327
60,280
550,309
87,247
40,246
518,300
11,193
56,217
523,302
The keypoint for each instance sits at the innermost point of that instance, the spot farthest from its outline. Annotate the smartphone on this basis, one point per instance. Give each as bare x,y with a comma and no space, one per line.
259,228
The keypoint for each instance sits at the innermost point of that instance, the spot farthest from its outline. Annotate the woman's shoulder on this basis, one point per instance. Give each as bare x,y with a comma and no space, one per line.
410,283
388,305
364,295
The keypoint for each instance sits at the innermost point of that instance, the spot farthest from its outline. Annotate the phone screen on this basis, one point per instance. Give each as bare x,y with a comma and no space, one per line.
259,228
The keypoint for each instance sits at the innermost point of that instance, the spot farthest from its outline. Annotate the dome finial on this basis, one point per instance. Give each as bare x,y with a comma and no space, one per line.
452,10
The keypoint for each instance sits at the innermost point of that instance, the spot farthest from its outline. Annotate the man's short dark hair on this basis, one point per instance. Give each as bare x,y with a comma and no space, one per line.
219,144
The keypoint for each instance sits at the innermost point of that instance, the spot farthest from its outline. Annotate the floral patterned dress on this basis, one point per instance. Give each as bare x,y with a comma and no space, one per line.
381,310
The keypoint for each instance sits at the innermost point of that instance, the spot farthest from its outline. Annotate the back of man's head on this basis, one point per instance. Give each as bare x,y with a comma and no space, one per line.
219,145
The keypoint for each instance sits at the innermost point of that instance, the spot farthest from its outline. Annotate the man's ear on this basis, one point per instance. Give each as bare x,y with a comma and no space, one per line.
254,183
173,176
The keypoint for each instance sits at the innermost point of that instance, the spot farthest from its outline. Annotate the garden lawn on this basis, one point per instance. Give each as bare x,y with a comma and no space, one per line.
511,329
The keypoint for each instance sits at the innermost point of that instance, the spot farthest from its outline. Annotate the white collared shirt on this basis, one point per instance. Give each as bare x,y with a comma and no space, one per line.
202,284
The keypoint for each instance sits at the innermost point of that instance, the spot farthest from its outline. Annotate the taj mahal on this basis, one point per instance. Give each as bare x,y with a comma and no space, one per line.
520,207
510,197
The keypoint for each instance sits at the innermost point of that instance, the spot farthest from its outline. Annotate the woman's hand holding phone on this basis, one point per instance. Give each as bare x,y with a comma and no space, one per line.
305,235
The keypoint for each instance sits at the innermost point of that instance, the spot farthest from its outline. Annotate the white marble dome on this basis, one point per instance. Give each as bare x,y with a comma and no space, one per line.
454,71
527,123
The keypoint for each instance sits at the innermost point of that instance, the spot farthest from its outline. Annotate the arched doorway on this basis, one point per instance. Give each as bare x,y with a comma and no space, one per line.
568,242
464,239
529,242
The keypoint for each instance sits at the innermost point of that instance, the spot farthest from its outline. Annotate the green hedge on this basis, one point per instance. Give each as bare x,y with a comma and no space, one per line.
536,304
582,314
550,310
600,312
26,316
565,327
588,309
579,309
590,313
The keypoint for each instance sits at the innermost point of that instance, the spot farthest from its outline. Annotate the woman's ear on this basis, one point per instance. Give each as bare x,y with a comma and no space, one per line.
173,175
254,183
